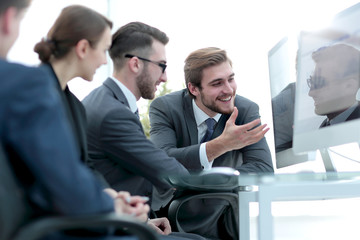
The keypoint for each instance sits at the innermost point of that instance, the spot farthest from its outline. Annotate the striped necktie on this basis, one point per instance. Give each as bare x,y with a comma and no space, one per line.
210,122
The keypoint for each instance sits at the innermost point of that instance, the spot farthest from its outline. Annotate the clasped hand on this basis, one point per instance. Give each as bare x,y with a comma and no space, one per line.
136,206
132,205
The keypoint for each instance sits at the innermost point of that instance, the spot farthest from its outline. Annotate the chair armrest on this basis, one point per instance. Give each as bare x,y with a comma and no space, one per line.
217,179
176,204
43,226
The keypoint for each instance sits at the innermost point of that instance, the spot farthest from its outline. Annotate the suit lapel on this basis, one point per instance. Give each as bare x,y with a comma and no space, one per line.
74,115
355,114
190,119
118,94
78,121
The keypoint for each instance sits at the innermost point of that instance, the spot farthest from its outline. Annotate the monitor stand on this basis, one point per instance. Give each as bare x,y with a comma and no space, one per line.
327,160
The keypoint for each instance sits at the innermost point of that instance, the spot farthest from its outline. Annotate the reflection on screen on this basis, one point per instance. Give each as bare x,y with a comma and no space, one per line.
328,81
283,117
282,74
281,59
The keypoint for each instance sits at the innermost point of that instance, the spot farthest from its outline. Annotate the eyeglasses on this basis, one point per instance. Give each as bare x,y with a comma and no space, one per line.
162,65
316,82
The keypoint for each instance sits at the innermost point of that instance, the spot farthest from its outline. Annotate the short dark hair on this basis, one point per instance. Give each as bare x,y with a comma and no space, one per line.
75,23
346,57
134,38
200,59
19,4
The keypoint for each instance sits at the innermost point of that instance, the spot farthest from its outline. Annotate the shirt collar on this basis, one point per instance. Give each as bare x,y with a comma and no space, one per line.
201,116
130,97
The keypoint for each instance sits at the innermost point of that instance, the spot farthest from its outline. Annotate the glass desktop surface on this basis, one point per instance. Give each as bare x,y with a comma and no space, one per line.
289,178
232,182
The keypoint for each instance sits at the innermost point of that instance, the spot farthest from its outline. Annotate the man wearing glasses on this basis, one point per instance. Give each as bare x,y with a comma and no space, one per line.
118,147
335,82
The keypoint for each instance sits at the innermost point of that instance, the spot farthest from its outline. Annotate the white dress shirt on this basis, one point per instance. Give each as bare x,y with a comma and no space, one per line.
130,97
200,118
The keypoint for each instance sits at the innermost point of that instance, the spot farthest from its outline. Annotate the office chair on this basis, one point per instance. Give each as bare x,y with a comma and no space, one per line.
15,222
217,183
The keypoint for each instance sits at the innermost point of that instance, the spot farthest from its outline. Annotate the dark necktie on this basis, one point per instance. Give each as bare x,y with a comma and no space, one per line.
326,124
210,122
137,113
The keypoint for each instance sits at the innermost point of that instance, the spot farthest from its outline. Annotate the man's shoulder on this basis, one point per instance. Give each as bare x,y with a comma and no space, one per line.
101,102
23,79
16,70
96,97
173,97
243,101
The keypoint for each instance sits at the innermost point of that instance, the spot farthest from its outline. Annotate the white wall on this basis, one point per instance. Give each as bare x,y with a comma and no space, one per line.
246,29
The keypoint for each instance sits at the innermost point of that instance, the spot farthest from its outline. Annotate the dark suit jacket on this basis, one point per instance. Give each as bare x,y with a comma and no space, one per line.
41,147
354,115
118,147
173,128
76,116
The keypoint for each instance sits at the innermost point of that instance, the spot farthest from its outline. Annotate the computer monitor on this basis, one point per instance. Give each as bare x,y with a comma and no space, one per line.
282,75
327,110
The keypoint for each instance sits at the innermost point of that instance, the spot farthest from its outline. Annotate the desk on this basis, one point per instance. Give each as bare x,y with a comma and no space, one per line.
289,187
267,188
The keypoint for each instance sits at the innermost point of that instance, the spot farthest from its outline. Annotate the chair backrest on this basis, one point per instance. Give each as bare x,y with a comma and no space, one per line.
14,210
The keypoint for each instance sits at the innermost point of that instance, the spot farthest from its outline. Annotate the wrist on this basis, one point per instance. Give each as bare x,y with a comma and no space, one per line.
215,148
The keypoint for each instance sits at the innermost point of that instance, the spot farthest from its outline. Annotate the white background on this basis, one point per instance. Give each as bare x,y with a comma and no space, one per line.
246,29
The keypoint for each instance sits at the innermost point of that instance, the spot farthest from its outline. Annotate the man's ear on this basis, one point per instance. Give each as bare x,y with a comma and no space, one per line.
193,89
7,19
134,65
82,47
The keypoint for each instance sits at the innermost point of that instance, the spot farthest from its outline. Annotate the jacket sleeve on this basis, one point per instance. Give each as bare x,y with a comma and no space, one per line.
38,132
257,156
123,140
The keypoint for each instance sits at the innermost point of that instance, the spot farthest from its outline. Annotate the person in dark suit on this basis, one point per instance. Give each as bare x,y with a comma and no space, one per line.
70,45
118,147
335,82
37,138
178,125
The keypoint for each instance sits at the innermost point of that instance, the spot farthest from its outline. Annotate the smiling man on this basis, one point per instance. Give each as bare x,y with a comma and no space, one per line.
179,125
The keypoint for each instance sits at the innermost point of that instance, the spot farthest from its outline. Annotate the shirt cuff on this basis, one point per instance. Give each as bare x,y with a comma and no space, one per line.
204,161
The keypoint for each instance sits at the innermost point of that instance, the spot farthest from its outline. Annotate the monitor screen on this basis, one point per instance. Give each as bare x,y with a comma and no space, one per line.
327,111
282,75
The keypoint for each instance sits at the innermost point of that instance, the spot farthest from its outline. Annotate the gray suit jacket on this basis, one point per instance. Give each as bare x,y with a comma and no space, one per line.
173,128
118,147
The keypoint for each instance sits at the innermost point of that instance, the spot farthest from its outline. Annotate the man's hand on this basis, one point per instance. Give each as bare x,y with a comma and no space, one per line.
239,136
161,225
235,136
132,205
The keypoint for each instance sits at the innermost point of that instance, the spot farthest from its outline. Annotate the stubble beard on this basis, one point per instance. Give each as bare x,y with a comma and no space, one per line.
213,106
145,86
